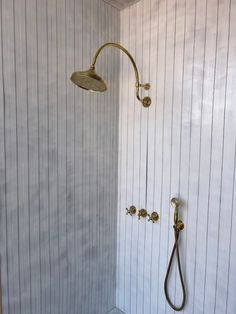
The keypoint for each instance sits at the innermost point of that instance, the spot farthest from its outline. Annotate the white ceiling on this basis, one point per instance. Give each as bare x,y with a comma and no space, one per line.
121,4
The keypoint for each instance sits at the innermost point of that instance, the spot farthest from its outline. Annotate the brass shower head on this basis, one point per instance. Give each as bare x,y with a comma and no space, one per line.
91,81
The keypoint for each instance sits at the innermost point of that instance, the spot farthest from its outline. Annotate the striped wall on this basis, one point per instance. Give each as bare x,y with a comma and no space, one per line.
58,158
184,145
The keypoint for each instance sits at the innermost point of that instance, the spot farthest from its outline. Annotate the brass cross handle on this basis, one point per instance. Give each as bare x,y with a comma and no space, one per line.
142,213
154,217
131,211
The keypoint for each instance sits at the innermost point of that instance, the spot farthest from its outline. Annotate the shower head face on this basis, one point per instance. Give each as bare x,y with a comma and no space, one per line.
89,80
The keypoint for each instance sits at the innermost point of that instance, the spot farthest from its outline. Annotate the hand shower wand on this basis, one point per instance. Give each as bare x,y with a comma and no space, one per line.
178,226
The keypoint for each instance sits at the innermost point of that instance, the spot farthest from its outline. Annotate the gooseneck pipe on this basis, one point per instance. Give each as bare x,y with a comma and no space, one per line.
146,101
178,226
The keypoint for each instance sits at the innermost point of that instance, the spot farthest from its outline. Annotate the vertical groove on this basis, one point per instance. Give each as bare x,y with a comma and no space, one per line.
97,172
57,128
231,227
211,149
163,113
17,155
28,167
75,166
200,151
48,173
222,156
5,302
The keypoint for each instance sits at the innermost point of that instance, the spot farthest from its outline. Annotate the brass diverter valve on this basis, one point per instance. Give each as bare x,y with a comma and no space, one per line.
131,211
142,213
154,217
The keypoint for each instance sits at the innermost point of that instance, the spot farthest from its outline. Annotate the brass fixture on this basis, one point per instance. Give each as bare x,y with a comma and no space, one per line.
154,217
131,211
91,81
178,226
142,213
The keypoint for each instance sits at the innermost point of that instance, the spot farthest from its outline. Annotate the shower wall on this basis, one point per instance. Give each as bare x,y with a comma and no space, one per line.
184,145
58,158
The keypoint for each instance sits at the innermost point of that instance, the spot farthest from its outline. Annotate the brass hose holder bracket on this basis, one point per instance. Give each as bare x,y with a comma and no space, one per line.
154,217
131,211
142,213
178,224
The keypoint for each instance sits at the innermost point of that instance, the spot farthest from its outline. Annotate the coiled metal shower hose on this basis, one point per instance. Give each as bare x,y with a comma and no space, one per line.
175,248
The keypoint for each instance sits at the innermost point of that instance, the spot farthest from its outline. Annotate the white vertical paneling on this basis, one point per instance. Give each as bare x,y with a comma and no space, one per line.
189,47
122,178
230,129
161,8
42,73
11,148
62,119
79,106
53,160
204,155
195,142
177,98
58,171
146,75
128,164
119,200
132,232
227,178
217,154
167,140
134,167
23,192
152,137
4,263
33,151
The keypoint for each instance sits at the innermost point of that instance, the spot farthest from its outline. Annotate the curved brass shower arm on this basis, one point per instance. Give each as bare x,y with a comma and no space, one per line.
146,101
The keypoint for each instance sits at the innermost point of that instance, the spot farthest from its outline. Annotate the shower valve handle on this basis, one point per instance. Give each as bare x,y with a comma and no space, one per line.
142,213
154,217
131,211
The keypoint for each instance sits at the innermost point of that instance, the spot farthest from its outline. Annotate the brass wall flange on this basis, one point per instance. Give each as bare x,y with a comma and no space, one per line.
146,102
142,213
179,226
154,217
131,211
146,86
